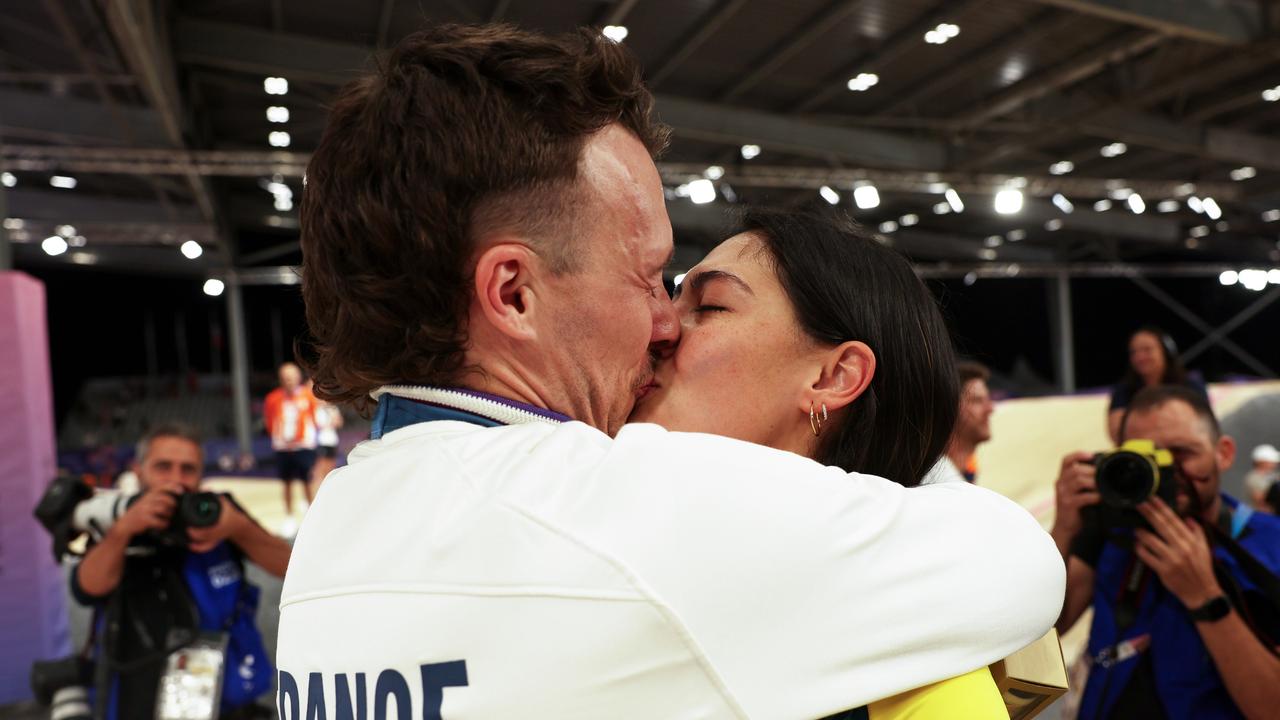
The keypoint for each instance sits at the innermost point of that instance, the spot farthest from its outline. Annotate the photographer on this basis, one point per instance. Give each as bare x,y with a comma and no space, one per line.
1185,615
151,585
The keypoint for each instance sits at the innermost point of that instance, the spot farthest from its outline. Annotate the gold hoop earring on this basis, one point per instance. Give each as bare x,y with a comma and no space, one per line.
815,422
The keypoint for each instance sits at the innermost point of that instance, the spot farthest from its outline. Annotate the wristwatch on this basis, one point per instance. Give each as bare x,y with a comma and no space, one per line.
1215,609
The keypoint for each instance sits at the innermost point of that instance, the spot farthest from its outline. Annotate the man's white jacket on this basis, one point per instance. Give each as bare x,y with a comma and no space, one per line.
547,571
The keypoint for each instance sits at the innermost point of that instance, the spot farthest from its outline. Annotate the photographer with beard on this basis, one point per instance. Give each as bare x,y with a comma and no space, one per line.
1185,616
158,591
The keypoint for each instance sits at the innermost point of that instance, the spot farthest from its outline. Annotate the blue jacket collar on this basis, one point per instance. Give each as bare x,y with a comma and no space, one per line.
403,405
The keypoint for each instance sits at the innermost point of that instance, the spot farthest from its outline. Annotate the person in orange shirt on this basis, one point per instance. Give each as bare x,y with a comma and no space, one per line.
289,413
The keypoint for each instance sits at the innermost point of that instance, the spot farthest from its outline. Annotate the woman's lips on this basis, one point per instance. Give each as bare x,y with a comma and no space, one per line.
645,390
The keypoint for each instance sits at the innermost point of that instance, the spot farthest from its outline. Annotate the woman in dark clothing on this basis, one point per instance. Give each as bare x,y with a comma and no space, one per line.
1153,360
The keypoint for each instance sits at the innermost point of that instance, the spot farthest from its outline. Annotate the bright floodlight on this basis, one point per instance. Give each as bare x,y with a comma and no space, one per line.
275,86
1229,277
714,172
8,179
941,209
191,249
278,114
65,230
1062,168
678,279
866,197
831,196
888,226
1167,206
1254,279
616,33
62,181
908,220
1271,215
1196,204
1136,203
1115,149
933,37
1008,201
1062,203
863,81
1053,225
1016,235
1211,208
949,30
953,199
213,287
1273,276
750,151
54,245
1243,173
1199,231
702,191
283,203
279,138
1102,205
1271,94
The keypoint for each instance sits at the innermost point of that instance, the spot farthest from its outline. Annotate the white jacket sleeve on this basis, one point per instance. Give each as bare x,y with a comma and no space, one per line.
809,590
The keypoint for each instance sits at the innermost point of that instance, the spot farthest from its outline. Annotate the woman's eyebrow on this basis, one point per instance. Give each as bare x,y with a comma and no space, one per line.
705,276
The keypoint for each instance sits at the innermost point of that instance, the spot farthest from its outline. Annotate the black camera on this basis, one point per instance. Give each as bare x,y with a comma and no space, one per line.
63,686
1130,475
70,507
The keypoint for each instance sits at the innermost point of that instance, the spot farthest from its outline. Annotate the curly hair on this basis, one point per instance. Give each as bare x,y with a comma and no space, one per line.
463,130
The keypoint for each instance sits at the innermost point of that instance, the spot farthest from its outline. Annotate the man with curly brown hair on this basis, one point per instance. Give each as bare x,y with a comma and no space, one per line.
484,236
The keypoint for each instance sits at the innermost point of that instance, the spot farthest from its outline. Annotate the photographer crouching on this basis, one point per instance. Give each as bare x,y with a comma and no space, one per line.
174,621
1181,578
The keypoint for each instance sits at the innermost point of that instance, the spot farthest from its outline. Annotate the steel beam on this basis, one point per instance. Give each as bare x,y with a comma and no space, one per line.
719,123
1226,22
26,113
69,206
239,345
249,50
1063,332
619,12
689,44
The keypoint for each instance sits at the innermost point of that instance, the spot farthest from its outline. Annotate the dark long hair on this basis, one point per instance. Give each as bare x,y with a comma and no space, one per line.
1175,373
845,285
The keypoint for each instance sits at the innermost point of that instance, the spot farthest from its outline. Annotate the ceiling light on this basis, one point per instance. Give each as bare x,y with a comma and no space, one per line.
1167,206
1063,203
888,226
949,30
192,249
750,151
279,138
1053,225
1211,208
77,241
702,191
278,114
1016,235
1229,277
936,187
62,181
987,254
1185,189
953,199
1273,276
866,196
275,86
970,278
1102,205
863,81
831,196
1221,226
678,279
1115,149
65,230
1243,173
911,219
616,33
54,245
1254,279
83,258
213,287
1271,215
714,172
1196,204
1008,201
1062,168
941,209
1199,231
18,224
993,241
8,179
283,204
1136,204
1271,94
1120,193
933,37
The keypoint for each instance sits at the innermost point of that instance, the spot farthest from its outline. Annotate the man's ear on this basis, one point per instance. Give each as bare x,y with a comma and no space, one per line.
1225,451
504,277
845,374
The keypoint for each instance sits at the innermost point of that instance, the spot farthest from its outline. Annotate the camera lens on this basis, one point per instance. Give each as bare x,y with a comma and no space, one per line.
201,509
1126,479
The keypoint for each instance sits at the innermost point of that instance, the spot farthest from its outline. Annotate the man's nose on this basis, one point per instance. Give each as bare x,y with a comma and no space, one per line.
666,327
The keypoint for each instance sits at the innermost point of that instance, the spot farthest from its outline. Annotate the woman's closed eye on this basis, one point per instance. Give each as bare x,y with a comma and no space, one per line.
709,308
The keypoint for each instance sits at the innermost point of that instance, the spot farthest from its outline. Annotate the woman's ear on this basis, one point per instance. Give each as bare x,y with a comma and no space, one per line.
503,286
847,370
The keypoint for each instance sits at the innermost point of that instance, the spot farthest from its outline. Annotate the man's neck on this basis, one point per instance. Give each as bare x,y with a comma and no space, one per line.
505,382
959,452
1212,510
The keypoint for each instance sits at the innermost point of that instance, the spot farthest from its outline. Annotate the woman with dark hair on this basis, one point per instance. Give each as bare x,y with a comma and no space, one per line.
1153,360
803,333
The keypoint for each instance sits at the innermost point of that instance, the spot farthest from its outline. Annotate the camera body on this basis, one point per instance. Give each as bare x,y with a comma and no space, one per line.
1130,475
63,685
70,507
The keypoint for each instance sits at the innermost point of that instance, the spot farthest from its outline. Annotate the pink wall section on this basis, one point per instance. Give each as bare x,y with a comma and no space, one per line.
33,617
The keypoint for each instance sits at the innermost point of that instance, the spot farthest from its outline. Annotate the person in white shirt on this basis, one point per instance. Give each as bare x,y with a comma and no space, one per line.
1260,478
973,426
484,236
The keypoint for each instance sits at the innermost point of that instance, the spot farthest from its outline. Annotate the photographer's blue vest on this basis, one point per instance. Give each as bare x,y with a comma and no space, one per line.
1186,679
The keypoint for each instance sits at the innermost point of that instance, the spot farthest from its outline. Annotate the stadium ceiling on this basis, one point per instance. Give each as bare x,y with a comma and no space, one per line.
161,115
